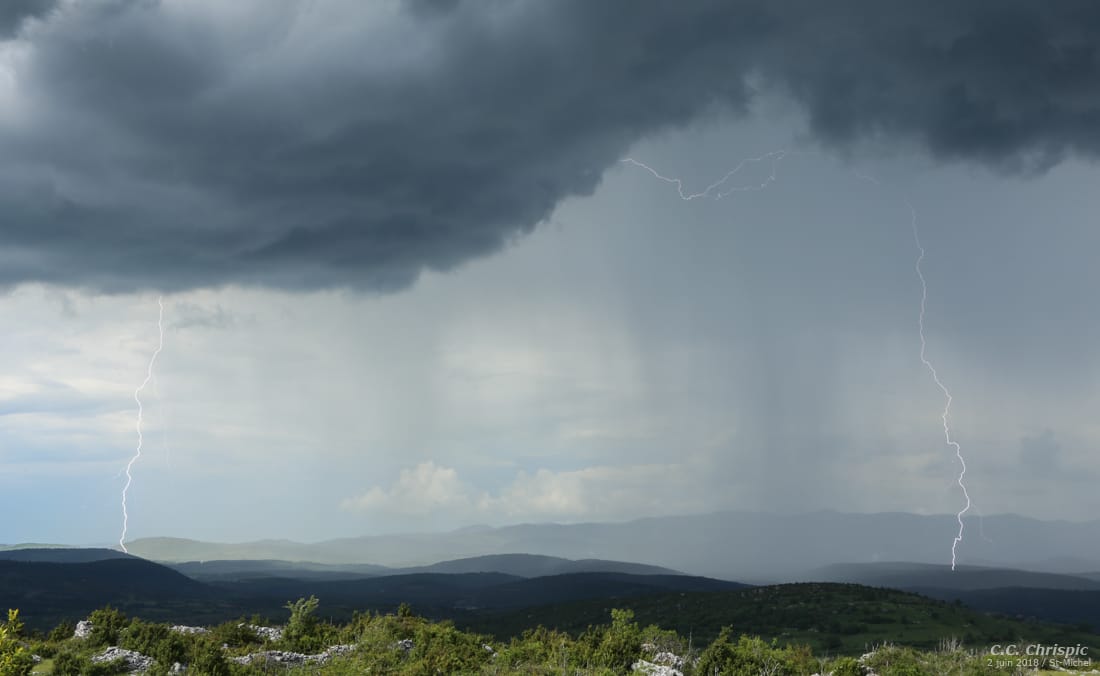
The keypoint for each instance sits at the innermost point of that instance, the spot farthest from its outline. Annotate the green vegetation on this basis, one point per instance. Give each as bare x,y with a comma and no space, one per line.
15,658
404,643
829,618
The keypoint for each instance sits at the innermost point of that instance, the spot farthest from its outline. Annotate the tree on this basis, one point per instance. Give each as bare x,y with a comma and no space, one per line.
303,630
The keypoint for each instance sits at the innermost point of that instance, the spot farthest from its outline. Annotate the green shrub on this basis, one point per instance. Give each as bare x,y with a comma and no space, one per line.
67,663
208,659
304,632
236,634
439,648
622,642
15,659
750,656
107,625
539,646
43,649
846,666
891,660
142,636
64,630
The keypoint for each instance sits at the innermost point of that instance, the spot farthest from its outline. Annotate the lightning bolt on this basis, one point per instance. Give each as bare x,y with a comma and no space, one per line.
714,189
775,157
137,398
943,388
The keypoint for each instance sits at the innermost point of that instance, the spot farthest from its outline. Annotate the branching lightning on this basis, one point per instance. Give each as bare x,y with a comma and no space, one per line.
140,411
775,157
714,190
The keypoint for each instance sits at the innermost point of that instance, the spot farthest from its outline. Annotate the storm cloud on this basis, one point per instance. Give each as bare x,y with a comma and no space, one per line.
15,12
186,144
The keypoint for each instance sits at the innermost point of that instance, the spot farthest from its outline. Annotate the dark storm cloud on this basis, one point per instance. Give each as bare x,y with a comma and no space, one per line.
324,143
1013,83
14,12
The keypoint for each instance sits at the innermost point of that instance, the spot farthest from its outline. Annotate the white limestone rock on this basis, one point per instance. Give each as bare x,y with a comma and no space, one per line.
135,661
651,669
83,629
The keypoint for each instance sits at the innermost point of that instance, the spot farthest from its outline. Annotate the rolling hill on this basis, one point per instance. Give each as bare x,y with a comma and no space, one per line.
62,554
746,546
830,617
898,575
521,565
228,571
47,592
534,565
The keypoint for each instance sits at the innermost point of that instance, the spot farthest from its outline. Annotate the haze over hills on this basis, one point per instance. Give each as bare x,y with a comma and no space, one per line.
930,576
53,584
519,565
744,546
535,565
244,569
48,591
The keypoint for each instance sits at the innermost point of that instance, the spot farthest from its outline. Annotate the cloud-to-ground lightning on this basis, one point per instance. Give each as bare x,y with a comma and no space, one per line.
714,190
943,388
140,411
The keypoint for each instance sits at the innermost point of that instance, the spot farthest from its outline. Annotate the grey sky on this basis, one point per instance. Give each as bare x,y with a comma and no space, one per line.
410,284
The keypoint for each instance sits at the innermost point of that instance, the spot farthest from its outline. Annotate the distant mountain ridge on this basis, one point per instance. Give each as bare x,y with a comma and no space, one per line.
746,546
63,554
244,569
900,575
537,565
520,565
48,591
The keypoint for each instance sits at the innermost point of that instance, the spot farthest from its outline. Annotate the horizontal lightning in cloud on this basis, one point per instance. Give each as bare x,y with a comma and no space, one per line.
714,189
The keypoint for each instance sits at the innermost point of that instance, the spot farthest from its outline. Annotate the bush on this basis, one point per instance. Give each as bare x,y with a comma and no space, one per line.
15,659
43,649
304,632
622,643
208,659
750,656
439,648
846,666
64,630
236,634
155,640
68,663
107,626
537,646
